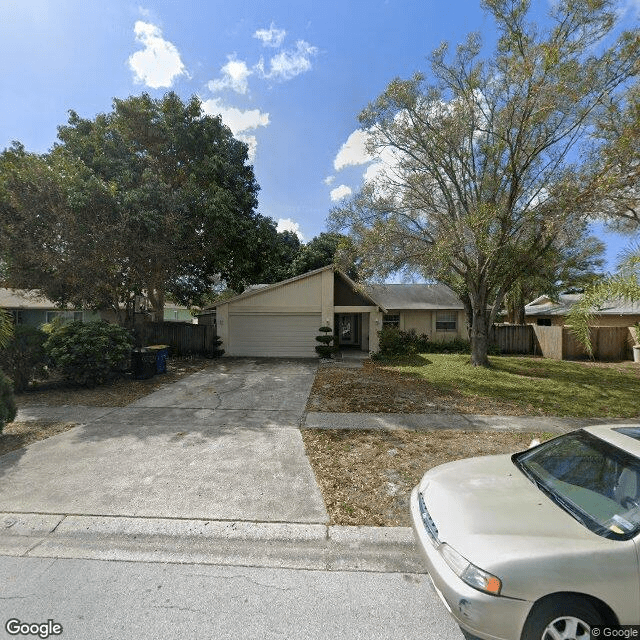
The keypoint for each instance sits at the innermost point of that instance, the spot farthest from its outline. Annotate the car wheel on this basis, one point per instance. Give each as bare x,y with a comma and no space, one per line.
566,619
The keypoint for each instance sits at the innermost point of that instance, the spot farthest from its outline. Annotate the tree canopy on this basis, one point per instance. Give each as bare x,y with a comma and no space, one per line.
478,174
154,197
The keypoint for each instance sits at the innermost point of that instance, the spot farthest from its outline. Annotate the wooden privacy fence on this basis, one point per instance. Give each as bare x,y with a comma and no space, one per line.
513,338
184,338
559,343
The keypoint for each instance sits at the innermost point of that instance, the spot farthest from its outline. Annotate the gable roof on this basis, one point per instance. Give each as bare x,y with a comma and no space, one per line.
24,299
414,296
385,296
545,306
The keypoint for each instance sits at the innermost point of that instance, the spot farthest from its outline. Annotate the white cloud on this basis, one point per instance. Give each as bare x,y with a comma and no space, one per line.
236,119
271,37
290,63
252,143
159,63
234,76
340,193
353,151
287,224
329,180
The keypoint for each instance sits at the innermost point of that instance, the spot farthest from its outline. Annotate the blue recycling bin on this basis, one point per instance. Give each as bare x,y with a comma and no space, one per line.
162,353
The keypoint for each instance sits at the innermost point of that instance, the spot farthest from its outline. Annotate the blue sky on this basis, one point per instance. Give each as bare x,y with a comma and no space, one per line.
289,77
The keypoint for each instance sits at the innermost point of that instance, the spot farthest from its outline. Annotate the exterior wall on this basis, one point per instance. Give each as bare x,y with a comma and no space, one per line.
420,321
304,295
38,317
178,315
425,322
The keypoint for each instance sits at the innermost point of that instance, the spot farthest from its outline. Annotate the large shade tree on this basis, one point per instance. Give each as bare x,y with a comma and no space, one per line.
153,198
479,179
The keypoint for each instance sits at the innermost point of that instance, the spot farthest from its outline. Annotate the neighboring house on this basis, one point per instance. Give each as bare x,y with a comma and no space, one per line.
283,319
614,313
33,309
176,313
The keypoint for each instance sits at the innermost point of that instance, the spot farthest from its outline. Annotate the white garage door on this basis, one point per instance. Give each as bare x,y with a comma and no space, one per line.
274,335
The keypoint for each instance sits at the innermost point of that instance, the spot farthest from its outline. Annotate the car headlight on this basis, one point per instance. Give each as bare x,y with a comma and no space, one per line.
469,573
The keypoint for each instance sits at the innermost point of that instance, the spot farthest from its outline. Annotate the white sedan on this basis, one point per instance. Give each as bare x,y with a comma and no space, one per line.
541,545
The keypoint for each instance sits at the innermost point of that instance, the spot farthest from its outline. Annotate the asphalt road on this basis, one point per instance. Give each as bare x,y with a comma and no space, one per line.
121,600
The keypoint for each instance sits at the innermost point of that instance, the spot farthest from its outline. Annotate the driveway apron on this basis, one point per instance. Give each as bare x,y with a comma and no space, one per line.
221,444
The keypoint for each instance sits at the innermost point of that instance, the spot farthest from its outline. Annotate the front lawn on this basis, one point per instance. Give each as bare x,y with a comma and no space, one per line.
537,386
431,383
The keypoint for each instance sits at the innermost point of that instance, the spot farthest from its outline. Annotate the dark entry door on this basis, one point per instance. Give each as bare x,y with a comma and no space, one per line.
348,329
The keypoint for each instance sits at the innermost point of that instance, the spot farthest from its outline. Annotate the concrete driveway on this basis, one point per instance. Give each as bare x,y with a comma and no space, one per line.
221,444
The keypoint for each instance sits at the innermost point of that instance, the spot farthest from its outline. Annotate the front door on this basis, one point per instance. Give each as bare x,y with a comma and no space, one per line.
348,329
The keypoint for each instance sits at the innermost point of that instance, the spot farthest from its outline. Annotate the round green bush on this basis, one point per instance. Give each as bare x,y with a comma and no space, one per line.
24,357
90,353
8,408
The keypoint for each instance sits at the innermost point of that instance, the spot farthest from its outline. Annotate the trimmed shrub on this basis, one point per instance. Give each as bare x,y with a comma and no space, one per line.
394,342
8,408
90,353
326,349
24,357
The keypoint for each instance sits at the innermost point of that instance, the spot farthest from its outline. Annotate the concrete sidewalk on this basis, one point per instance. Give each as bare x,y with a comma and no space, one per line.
428,421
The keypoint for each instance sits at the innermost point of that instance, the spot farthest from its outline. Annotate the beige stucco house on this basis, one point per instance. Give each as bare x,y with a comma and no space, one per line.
282,319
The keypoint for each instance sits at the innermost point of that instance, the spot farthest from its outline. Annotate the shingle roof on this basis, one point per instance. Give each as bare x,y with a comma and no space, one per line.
414,296
544,306
21,299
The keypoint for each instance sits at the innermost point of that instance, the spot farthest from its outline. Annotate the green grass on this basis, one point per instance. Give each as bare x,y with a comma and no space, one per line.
539,386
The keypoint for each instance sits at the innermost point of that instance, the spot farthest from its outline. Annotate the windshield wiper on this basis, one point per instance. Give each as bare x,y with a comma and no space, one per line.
562,502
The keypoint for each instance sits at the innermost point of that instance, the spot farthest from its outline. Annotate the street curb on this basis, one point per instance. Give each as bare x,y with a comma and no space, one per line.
316,547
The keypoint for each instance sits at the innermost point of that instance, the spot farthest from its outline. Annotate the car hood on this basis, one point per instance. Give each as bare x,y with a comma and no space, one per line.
492,514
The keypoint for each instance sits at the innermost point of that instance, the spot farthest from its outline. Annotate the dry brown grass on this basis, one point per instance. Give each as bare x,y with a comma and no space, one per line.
19,434
376,388
366,477
56,392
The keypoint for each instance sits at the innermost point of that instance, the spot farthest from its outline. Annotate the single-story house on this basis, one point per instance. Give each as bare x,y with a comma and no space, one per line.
31,308
613,313
283,319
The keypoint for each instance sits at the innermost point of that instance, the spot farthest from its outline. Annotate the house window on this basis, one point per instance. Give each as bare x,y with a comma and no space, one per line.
543,322
446,321
391,320
52,315
16,316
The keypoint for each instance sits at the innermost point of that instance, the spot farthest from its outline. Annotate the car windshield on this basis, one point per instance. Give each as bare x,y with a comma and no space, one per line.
595,482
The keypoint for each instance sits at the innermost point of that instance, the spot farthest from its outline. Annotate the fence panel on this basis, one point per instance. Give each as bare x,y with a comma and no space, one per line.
513,338
613,343
548,341
183,337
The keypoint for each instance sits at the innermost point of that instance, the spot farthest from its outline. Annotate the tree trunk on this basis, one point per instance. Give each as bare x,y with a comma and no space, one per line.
156,298
479,336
